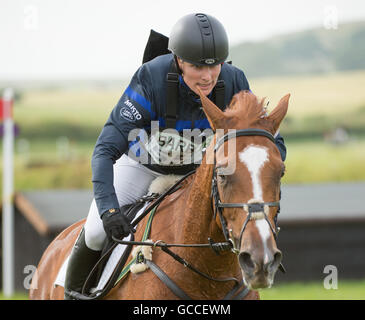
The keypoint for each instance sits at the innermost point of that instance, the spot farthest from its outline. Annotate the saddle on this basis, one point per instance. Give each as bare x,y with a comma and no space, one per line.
130,211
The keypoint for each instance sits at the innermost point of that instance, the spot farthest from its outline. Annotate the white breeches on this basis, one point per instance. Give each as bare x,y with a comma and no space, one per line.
131,182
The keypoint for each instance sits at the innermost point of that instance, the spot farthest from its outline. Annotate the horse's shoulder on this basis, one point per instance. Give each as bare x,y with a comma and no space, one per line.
71,231
62,243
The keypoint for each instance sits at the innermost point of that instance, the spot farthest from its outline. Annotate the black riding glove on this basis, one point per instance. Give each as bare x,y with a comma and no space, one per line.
116,224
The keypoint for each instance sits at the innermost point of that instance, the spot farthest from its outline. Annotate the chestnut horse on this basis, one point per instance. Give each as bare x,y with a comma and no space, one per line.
242,211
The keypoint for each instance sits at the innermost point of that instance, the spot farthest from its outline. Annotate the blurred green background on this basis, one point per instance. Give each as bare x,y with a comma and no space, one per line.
58,128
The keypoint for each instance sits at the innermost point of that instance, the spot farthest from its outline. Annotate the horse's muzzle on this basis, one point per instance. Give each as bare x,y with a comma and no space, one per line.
257,273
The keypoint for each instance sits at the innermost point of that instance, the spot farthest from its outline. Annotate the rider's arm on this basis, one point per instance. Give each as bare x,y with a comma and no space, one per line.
132,111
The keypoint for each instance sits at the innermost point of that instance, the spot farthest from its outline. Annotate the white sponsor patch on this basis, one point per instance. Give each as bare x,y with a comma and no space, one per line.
130,112
171,148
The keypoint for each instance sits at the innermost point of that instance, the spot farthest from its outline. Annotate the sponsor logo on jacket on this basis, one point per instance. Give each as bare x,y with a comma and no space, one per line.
130,112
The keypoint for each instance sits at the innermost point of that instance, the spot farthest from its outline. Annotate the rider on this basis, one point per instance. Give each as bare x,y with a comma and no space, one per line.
199,48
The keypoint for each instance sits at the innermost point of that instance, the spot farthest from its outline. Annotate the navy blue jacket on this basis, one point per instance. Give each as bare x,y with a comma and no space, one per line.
144,101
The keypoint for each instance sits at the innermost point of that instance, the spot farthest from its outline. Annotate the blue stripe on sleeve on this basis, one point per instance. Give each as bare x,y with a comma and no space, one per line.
186,124
202,124
142,101
182,124
161,122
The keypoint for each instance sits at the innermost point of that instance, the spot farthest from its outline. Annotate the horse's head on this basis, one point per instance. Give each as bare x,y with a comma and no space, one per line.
249,196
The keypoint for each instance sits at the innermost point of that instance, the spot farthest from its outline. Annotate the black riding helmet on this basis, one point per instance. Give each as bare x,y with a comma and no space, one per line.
199,39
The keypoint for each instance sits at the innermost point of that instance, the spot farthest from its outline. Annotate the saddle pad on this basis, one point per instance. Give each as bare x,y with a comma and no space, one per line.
109,267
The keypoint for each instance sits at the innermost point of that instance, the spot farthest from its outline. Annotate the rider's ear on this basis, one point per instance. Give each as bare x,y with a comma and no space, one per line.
278,114
213,113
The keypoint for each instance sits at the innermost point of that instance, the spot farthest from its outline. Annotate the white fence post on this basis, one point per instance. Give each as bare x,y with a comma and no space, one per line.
8,193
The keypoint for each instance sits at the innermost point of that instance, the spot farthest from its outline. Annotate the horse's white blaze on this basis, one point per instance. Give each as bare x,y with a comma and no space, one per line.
254,157
264,231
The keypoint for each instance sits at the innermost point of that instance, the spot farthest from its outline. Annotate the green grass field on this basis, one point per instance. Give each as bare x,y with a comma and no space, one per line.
317,103
310,95
307,162
317,161
347,290
329,94
16,296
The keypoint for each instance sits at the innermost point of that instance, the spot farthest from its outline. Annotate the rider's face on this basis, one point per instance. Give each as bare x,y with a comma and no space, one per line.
204,77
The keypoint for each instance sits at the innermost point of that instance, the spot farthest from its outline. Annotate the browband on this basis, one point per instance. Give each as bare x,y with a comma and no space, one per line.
243,132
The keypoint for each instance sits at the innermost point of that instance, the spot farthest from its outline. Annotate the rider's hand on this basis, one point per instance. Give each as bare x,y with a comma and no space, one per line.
116,224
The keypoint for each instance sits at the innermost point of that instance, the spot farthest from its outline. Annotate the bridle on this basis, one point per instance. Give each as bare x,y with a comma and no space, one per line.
248,207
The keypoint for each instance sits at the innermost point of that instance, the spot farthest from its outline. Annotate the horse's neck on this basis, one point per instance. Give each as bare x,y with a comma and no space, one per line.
198,212
199,225
198,216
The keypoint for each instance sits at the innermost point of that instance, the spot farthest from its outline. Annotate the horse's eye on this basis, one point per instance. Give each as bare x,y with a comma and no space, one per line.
282,172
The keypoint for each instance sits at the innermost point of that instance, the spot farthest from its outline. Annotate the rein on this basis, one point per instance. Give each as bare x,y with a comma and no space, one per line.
165,247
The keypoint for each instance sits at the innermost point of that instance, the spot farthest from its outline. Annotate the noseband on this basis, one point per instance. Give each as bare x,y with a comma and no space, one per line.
249,207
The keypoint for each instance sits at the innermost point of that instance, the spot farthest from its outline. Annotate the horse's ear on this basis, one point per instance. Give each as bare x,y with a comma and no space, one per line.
278,114
213,113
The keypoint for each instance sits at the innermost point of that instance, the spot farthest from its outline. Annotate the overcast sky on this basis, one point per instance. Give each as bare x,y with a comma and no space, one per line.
93,39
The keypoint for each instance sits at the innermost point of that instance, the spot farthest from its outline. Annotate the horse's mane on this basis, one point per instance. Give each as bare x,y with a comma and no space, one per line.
248,108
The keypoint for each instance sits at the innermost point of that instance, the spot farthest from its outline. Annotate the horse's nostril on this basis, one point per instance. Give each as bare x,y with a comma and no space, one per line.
278,256
276,261
246,261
